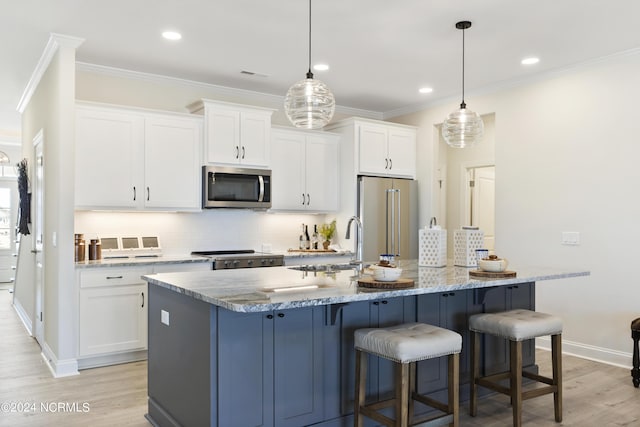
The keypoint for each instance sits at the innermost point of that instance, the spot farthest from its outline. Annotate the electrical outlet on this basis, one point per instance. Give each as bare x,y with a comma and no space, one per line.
570,238
164,317
266,248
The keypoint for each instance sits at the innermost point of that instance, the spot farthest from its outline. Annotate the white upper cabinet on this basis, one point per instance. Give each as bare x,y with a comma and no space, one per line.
172,163
386,150
304,170
128,159
235,134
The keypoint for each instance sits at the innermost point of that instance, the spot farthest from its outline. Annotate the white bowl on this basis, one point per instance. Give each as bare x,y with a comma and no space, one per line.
493,265
386,274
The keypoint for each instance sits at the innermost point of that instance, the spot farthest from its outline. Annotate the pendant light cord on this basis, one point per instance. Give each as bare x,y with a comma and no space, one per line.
462,105
309,73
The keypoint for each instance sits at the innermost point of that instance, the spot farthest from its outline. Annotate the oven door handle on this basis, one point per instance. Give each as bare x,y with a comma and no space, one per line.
261,195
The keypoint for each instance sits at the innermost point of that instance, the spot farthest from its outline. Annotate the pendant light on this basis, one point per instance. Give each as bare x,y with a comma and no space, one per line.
463,127
309,103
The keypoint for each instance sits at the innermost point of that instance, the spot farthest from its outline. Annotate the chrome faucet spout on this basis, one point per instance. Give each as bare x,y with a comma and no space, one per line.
358,244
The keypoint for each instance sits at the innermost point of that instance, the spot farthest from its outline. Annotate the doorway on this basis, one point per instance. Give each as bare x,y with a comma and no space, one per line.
480,202
8,215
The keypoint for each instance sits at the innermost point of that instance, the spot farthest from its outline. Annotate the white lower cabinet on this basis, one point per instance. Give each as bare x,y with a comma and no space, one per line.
113,311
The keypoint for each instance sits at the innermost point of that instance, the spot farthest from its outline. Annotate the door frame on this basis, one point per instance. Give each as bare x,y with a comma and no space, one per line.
465,173
38,233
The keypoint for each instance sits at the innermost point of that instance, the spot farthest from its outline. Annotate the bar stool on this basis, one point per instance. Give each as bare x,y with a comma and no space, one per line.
517,326
406,344
635,335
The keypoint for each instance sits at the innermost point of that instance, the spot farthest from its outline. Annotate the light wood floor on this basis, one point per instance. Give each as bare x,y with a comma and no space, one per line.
594,394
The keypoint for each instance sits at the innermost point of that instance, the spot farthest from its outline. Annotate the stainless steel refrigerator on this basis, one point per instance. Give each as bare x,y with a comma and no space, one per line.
388,209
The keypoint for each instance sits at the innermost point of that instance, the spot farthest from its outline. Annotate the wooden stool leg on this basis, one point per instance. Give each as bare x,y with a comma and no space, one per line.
556,361
635,372
402,394
361,379
412,390
454,388
515,353
474,339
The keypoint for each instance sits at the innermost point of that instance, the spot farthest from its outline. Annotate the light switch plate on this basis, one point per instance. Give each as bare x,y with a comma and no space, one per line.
570,238
267,248
164,317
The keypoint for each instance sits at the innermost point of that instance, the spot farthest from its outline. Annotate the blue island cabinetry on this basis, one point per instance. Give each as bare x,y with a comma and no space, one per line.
225,349
294,367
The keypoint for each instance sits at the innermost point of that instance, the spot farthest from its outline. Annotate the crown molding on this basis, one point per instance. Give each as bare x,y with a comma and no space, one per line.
275,101
55,42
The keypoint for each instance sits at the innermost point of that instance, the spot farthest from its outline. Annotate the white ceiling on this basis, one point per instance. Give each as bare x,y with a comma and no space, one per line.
380,51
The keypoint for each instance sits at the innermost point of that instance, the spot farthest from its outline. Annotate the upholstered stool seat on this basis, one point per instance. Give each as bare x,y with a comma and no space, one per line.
517,326
406,344
635,335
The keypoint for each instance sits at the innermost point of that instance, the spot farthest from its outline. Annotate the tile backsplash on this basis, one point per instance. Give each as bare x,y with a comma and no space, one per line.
181,233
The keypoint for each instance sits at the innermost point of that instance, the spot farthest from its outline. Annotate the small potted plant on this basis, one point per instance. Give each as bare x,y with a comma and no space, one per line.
327,231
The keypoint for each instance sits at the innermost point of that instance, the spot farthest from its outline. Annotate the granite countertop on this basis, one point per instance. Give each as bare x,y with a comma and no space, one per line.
127,262
295,253
252,289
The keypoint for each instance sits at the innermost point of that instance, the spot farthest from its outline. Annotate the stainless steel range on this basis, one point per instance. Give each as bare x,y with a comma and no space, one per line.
245,258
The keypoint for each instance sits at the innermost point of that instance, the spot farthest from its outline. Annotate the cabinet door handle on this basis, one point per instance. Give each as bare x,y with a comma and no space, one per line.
302,199
390,164
376,303
148,194
308,199
385,302
114,277
142,300
243,151
134,193
386,163
269,316
237,152
280,314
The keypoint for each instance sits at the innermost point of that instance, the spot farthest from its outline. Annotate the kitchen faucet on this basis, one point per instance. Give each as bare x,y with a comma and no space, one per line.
358,243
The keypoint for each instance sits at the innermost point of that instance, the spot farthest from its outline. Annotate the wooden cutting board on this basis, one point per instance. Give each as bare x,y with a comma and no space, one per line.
492,274
369,282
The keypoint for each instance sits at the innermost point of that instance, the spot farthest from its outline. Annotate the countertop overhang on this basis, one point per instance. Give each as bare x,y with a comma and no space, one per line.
253,290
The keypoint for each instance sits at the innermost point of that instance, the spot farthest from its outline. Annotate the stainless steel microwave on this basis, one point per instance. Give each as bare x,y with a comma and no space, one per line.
229,187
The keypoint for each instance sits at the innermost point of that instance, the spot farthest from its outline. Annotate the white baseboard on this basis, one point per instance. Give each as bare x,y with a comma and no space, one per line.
23,316
597,354
59,368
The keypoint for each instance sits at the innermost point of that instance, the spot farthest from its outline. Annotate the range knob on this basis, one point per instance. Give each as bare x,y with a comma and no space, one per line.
263,261
236,263
250,262
226,264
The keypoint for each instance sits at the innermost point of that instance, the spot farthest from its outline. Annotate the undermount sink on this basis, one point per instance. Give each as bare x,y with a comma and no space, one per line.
326,268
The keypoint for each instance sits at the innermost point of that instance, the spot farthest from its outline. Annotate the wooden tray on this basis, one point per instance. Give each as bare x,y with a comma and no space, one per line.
368,282
492,274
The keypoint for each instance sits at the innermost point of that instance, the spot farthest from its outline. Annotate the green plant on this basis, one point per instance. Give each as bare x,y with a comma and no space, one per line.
327,231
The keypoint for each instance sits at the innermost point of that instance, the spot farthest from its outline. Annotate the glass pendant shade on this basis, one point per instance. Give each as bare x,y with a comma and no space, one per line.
309,104
462,128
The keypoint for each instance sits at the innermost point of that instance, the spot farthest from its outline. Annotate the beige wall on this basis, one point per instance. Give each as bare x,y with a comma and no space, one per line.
566,152
51,109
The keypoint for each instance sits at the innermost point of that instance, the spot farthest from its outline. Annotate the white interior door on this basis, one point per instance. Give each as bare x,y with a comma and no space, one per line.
38,232
483,203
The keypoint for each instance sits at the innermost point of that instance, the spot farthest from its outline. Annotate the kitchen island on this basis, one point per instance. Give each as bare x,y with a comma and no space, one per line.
274,346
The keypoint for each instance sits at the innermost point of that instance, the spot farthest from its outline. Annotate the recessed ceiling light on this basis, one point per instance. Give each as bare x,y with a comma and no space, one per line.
530,61
321,67
171,35
425,90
